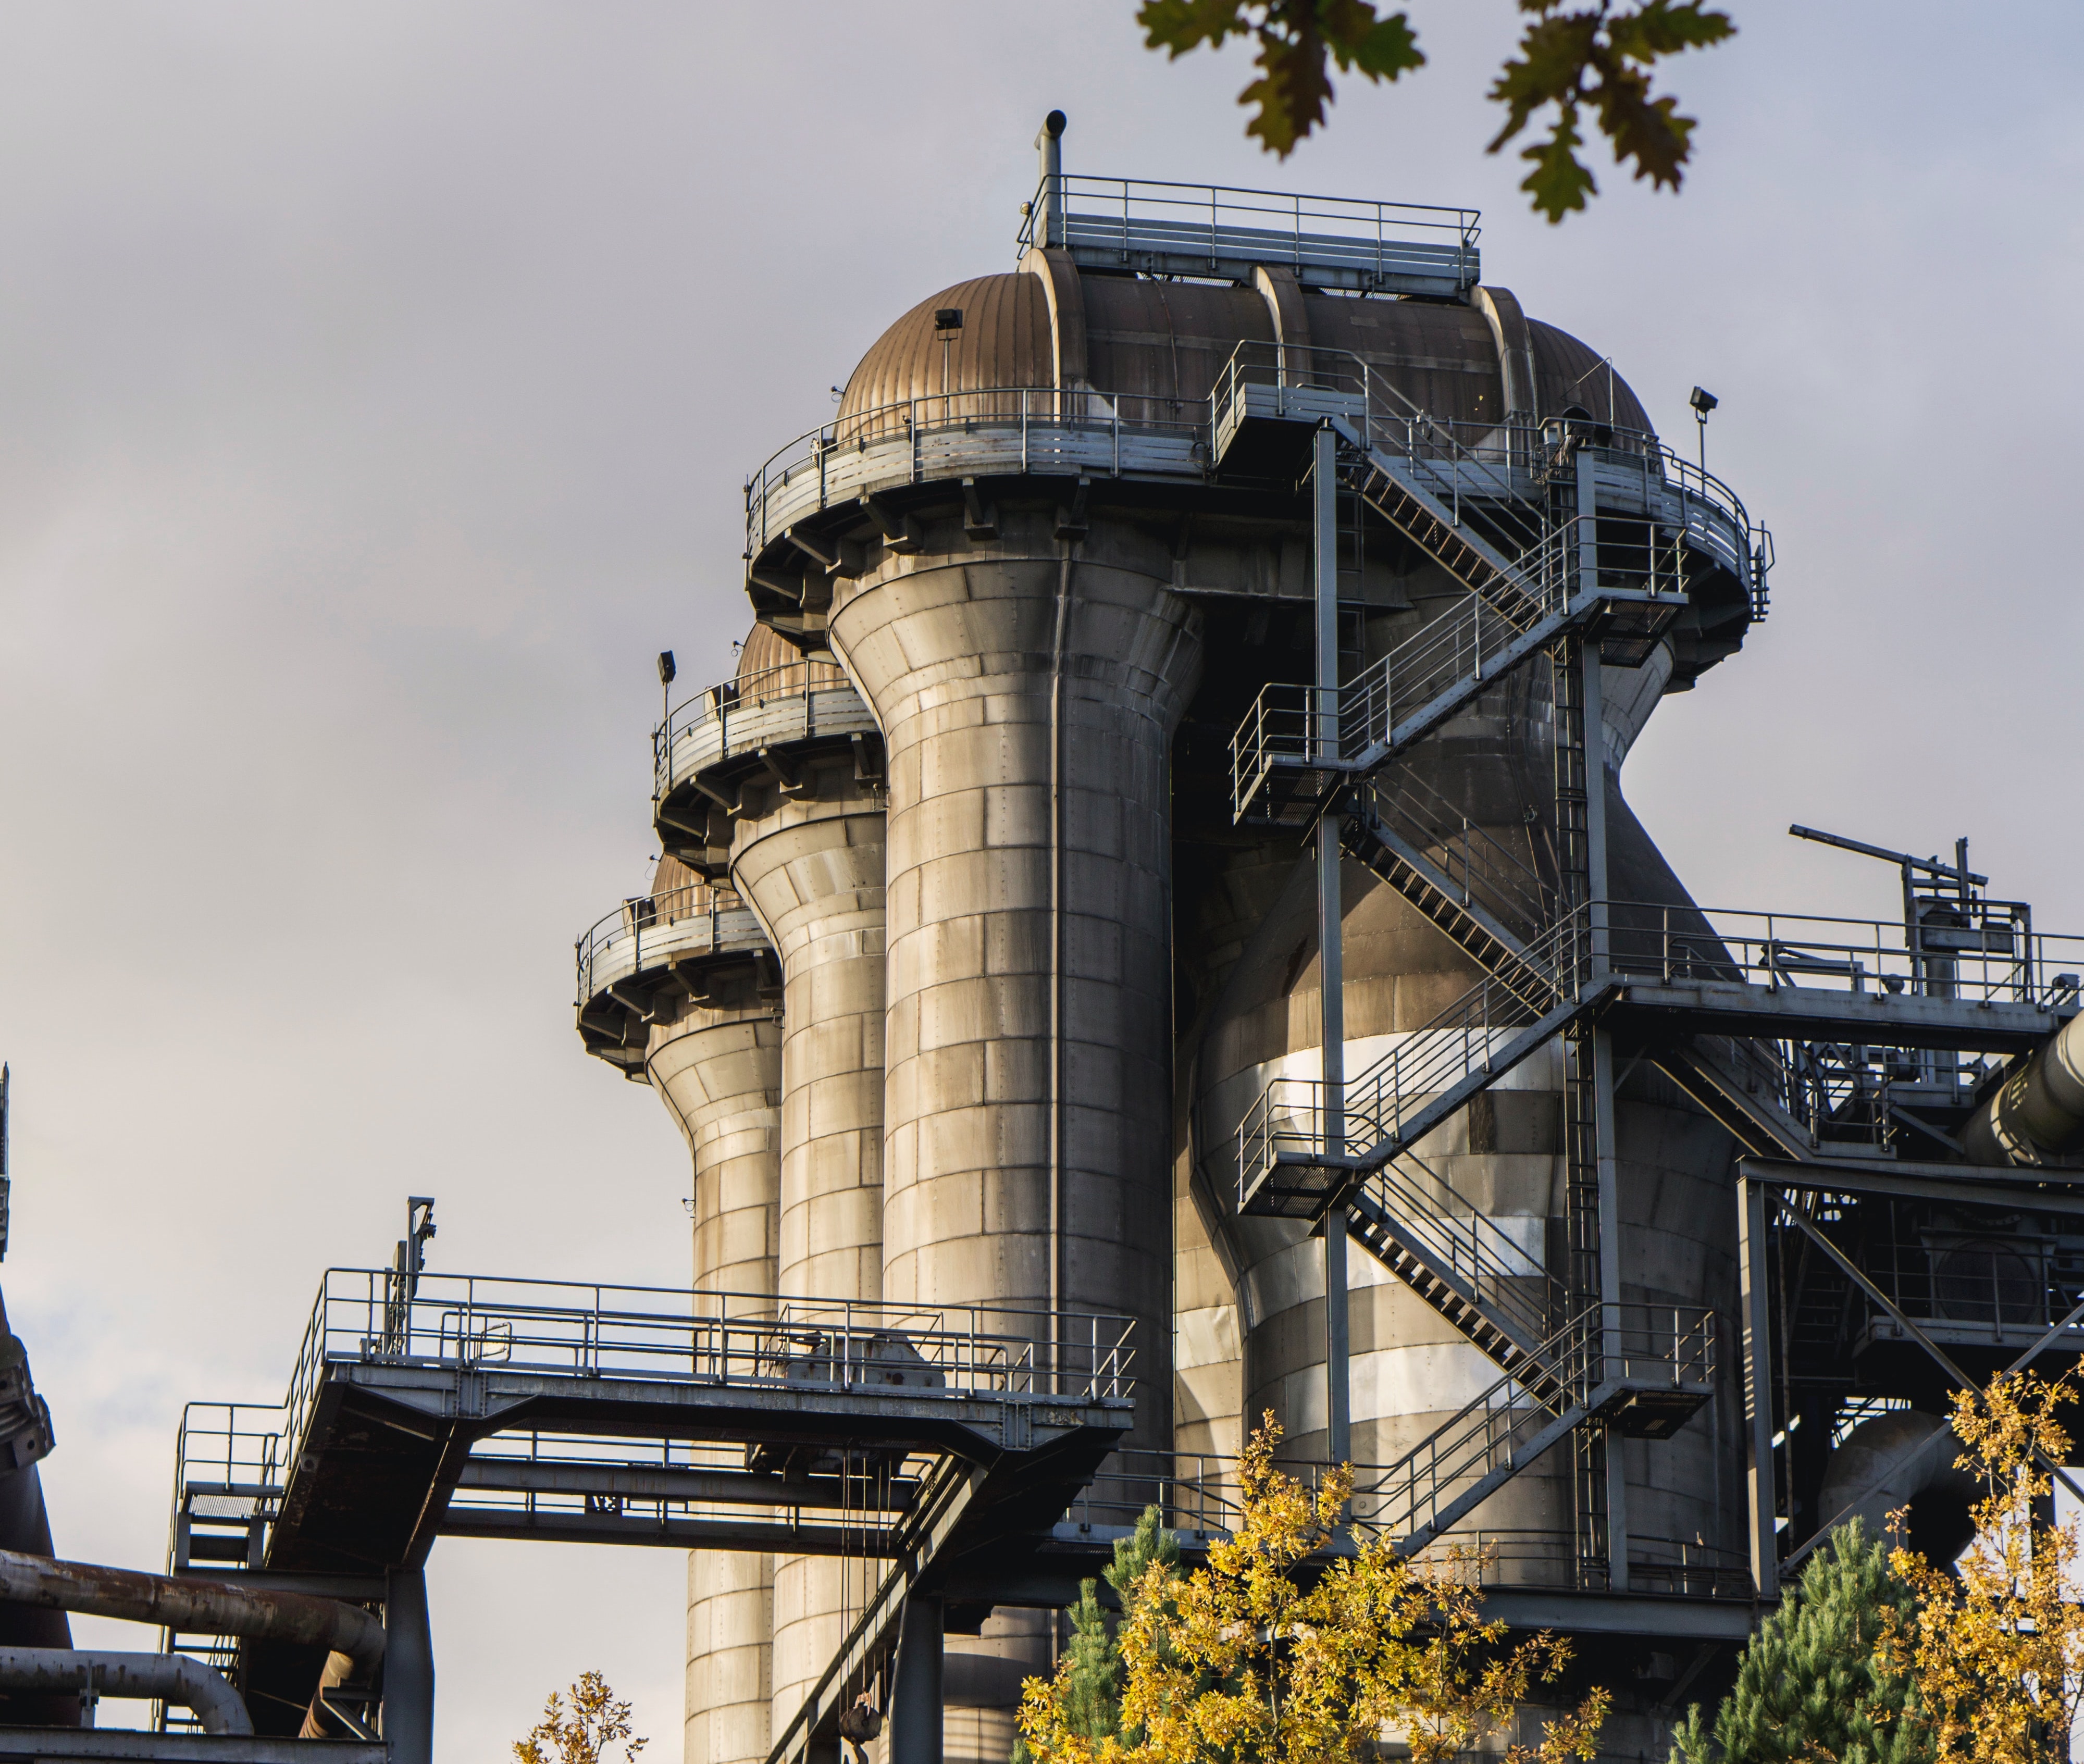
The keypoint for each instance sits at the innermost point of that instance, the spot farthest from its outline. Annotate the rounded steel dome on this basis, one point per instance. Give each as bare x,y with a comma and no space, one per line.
673,878
1164,343
771,667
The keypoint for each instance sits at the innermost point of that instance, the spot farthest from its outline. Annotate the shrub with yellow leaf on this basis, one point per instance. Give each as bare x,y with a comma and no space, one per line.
1269,1655
1995,1648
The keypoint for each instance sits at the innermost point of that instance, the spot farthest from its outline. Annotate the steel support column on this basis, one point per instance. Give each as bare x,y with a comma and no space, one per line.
915,1688
1612,1347
409,1669
1332,1018
1754,1289
1592,732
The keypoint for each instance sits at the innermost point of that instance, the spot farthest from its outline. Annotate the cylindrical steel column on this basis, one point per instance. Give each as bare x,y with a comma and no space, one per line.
718,1067
812,867
916,1689
409,1669
1026,700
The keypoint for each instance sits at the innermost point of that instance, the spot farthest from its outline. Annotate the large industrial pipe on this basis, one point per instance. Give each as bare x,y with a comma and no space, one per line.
1049,144
1903,1460
169,1677
211,1607
2037,1112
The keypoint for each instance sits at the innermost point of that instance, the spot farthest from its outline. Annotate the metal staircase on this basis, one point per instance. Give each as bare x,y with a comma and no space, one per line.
1514,525
1407,494
1740,1090
1642,1370
1456,874
1417,1085
1467,1270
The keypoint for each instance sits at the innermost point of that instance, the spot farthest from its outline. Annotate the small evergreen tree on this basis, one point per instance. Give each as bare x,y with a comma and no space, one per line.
1093,1668
1809,1686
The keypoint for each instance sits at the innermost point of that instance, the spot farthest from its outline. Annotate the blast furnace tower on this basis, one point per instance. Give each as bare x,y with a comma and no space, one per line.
1160,874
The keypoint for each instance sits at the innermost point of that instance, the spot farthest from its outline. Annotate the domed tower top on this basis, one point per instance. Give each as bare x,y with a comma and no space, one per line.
1162,344
1102,368
770,666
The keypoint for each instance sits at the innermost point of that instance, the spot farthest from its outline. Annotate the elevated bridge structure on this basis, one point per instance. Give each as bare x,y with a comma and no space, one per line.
425,1405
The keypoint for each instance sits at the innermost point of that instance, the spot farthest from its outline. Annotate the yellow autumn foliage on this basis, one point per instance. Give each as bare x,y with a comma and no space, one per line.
1250,1660
1996,1650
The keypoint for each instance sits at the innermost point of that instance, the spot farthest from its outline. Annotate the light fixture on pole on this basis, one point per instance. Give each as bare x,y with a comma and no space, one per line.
667,672
1703,401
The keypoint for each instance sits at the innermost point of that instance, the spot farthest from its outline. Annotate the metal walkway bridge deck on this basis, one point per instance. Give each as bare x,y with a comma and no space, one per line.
1661,974
432,1404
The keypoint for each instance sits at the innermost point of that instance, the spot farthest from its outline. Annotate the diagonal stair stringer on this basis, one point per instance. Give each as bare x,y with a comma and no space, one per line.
1395,491
1475,931
1409,1129
1407,1255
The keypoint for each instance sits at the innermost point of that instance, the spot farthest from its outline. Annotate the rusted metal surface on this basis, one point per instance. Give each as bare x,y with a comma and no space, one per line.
198,1606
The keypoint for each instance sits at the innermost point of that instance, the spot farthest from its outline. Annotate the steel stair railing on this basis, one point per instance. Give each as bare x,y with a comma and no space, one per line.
1438,669
1486,478
1460,877
1492,1439
1742,1090
1400,699
1464,1267
1411,468
1440,494
1428,1074
1602,1356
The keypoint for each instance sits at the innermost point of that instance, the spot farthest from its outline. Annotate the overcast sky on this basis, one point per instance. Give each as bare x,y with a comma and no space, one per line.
376,386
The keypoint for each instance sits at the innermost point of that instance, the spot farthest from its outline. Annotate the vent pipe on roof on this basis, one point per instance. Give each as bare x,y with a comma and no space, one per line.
1049,198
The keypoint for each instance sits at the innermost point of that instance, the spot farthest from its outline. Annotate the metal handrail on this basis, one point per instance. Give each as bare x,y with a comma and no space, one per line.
1364,221
1060,429
1050,423
1484,1556
1807,951
1487,874
1636,940
1671,1345
1288,722
750,1339
1492,466
708,721
782,679
647,930
1503,1274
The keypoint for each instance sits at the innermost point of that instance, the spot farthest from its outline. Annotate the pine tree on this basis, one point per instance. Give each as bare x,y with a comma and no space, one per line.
1092,1697
1808,1686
